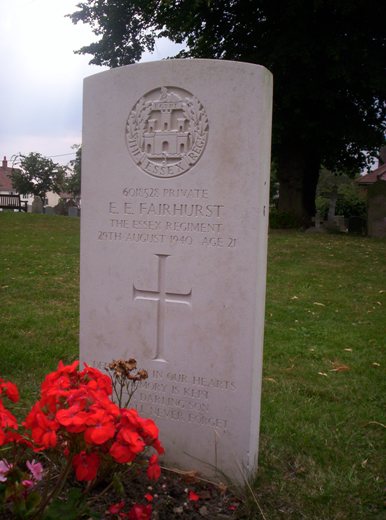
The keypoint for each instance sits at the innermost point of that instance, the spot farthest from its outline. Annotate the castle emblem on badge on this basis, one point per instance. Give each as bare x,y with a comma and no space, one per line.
166,132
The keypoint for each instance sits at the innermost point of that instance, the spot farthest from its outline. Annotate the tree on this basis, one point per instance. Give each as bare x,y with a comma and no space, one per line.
327,59
37,175
72,185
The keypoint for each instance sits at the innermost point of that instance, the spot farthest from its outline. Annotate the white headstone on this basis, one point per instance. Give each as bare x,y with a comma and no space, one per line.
175,173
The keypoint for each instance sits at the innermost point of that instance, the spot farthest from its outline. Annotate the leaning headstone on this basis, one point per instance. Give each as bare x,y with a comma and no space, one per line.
175,184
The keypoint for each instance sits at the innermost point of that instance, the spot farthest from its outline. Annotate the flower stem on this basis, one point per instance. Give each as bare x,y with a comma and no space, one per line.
57,489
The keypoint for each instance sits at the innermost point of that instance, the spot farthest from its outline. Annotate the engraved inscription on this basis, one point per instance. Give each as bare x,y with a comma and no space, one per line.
161,297
166,132
180,397
168,216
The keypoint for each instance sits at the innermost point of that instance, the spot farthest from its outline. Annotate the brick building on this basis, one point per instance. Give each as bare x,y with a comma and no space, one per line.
5,178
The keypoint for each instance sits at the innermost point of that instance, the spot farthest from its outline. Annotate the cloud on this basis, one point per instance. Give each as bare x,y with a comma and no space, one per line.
41,87
42,78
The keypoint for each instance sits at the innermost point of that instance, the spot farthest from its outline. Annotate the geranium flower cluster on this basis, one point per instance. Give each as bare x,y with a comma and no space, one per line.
77,414
137,512
75,417
8,422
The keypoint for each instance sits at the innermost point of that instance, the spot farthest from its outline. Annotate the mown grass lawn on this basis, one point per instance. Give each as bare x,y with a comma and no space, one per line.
323,416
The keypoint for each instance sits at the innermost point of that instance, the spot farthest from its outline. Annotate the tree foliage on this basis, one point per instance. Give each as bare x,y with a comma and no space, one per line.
327,59
73,180
36,175
347,198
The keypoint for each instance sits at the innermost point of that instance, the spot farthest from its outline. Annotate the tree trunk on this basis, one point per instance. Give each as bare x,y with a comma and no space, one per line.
298,174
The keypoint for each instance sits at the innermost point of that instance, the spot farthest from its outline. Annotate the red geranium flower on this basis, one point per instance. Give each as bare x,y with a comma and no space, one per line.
7,419
158,447
43,429
86,465
12,392
10,389
73,418
153,470
61,378
140,512
100,428
114,509
148,429
12,436
132,439
96,379
193,497
122,453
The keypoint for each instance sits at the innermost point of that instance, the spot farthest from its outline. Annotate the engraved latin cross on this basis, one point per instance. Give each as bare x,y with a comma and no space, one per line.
162,297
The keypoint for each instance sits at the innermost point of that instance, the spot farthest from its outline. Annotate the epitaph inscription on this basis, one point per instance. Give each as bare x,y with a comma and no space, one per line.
166,132
180,397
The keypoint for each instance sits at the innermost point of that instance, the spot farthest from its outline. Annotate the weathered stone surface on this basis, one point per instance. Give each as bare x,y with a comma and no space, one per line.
175,174
376,217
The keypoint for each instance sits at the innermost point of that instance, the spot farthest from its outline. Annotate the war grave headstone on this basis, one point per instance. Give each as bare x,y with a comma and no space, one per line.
175,184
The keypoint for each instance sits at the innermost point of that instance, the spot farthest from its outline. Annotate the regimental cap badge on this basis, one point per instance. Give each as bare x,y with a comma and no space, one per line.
167,131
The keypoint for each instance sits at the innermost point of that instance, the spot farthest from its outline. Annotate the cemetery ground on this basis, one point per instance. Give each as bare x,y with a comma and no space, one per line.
322,441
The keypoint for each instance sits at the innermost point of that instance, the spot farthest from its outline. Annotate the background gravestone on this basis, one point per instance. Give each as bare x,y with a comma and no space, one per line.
175,184
37,205
73,211
376,216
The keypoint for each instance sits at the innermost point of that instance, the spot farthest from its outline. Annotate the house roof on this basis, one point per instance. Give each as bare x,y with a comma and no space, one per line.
5,176
376,175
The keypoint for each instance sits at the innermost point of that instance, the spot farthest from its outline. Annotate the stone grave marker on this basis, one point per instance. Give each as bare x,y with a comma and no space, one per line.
318,224
37,205
340,223
175,184
376,215
73,211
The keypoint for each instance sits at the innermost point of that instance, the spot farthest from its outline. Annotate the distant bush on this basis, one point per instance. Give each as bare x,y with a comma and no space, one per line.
351,202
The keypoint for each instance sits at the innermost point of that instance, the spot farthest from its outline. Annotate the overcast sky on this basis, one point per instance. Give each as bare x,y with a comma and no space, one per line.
41,77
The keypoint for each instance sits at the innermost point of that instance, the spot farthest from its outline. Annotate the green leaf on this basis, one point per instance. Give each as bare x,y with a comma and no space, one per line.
32,502
118,486
74,507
